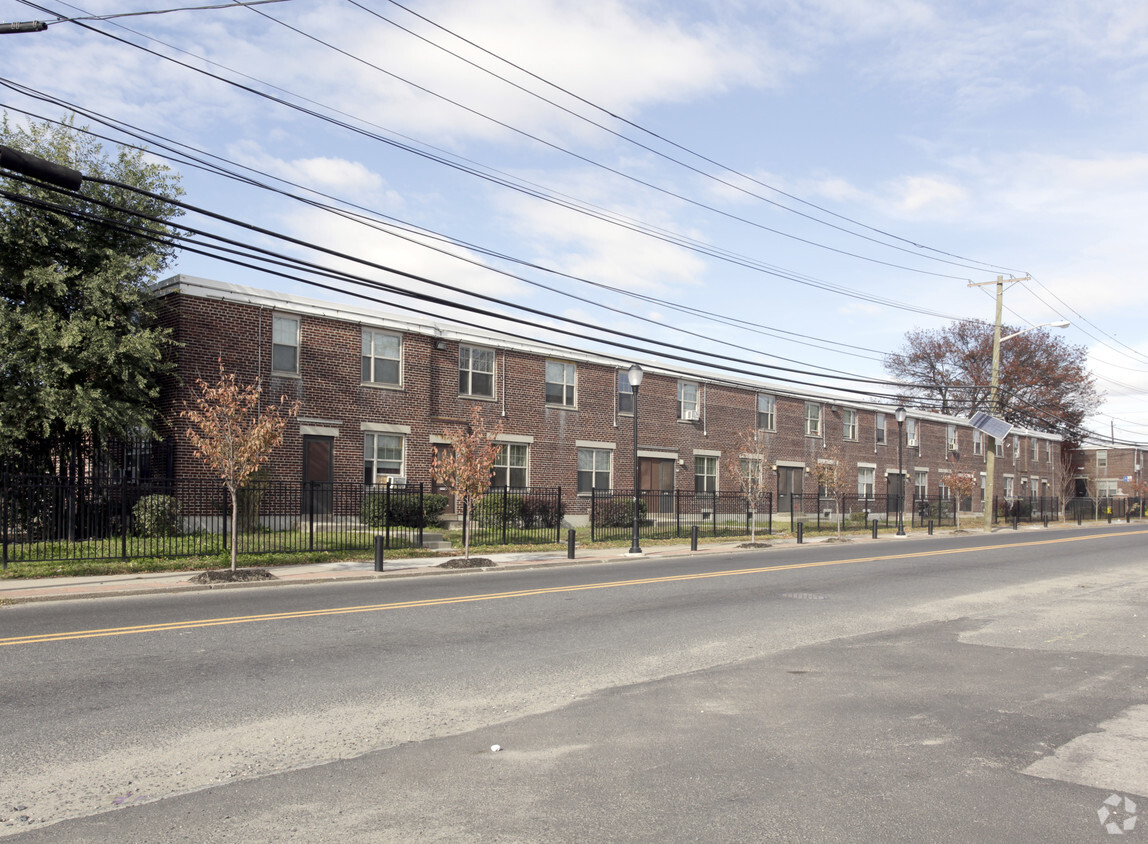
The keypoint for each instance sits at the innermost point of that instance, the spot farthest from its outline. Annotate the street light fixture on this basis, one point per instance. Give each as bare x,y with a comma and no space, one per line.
635,376
900,415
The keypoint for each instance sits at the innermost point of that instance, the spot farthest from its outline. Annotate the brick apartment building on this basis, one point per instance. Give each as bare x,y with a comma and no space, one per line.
378,391
1100,471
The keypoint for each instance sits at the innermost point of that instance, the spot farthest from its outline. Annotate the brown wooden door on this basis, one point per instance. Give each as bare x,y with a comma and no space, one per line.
656,481
445,451
790,483
318,474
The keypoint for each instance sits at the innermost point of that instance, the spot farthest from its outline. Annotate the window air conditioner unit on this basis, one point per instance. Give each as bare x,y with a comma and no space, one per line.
912,442
691,415
952,445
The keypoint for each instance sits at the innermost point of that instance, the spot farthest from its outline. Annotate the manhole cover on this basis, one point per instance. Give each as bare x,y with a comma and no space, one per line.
803,596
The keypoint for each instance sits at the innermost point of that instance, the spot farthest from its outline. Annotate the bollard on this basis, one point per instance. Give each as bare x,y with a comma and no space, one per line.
1079,517
694,538
1128,515
570,544
1109,515
380,543
875,523
930,527
1046,519
800,532
1016,521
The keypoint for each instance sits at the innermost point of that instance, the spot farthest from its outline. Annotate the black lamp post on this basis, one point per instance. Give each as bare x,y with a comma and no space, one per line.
900,414
635,376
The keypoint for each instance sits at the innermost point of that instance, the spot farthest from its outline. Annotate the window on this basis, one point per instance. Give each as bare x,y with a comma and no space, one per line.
382,457
911,432
946,493
594,468
1015,446
921,484
381,354
865,477
1048,450
1008,486
812,419
510,466
766,412
705,474
625,393
1035,448
285,344
751,471
978,442
475,371
1000,448
849,424
951,437
880,429
688,400
560,383
1101,460
1107,489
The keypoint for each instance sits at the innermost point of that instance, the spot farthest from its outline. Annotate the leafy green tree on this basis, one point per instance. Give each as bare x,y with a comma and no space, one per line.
79,354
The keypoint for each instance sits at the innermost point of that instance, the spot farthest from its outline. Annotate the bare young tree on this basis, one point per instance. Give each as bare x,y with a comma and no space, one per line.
233,434
466,468
748,464
961,483
833,476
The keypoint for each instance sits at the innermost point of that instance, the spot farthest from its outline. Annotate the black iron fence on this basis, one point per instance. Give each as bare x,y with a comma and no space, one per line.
673,514
518,515
42,519
1110,508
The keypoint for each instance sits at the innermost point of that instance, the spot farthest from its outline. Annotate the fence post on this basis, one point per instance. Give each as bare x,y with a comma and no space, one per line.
387,514
769,504
593,513
694,538
380,544
4,517
124,514
422,514
310,517
558,513
678,513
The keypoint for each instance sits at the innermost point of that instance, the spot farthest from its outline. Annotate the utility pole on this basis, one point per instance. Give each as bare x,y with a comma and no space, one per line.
994,386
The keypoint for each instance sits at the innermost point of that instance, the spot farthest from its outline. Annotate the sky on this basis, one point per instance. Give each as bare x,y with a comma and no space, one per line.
793,184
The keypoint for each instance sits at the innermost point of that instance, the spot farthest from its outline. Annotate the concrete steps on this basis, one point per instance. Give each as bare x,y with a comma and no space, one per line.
433,541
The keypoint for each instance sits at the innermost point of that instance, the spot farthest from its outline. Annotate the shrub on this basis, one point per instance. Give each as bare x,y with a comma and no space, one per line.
157,515
404,509
616,514
527,512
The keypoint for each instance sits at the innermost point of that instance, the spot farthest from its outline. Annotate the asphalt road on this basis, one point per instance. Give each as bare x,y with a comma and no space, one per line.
967,689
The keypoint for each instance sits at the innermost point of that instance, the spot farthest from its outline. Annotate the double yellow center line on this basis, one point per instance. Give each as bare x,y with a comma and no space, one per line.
523,593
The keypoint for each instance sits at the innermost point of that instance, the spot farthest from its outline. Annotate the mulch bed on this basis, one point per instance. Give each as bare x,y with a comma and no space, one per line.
464,563
229,576
755,545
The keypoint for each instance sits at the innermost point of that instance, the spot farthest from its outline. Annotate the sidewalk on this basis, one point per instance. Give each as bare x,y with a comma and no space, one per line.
22,590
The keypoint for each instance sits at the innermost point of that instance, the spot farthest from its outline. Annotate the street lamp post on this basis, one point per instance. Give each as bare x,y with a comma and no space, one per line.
635,376
900,414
